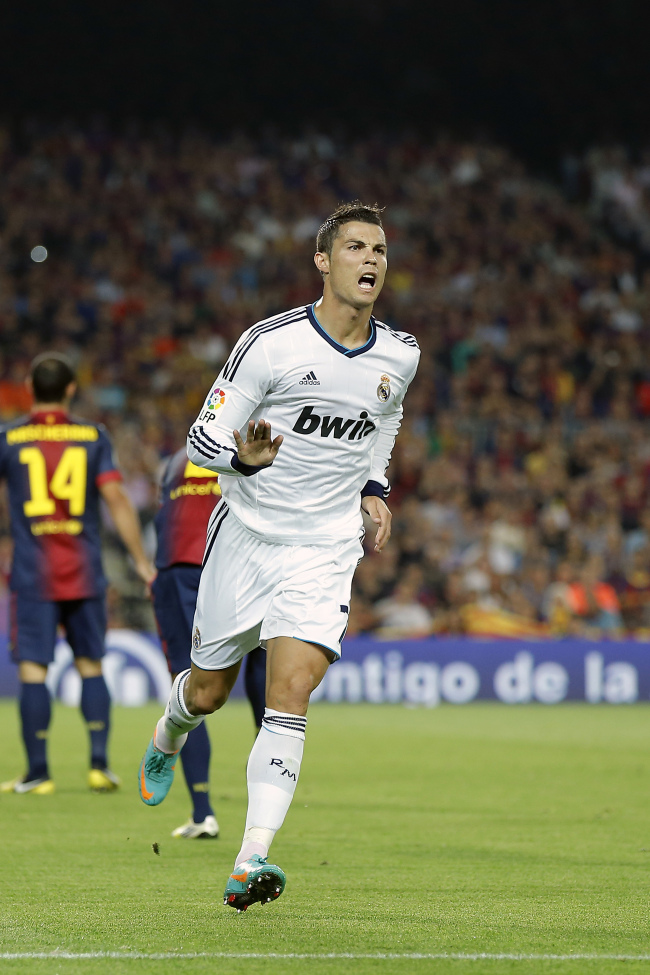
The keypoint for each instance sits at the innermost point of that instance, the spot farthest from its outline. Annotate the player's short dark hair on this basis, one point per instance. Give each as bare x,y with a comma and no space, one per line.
51,374
345,213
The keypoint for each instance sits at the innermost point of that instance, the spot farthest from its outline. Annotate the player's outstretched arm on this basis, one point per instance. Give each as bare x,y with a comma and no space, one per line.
381,515
127,523
258,449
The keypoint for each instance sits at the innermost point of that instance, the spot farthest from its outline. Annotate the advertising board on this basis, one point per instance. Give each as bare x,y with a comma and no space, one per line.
412,672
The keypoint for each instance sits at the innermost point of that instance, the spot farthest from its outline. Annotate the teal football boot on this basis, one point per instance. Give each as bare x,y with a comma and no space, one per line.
156,774
251,881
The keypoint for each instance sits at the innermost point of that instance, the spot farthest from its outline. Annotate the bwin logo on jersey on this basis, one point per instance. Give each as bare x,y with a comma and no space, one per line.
333,426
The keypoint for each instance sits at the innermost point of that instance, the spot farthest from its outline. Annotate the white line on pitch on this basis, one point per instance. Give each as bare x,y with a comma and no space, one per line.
376,956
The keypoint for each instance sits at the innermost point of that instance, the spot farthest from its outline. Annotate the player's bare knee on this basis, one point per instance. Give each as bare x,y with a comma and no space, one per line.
88,667
204,699
291,696
31,672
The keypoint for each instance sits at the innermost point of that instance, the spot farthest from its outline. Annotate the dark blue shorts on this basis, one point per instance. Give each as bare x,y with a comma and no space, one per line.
34,623
174,598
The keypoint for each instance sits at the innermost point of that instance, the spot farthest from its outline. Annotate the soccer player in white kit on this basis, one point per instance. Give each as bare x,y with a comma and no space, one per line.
284,540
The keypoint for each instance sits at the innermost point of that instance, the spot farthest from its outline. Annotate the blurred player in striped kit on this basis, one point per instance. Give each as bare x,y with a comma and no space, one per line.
188,496
57,468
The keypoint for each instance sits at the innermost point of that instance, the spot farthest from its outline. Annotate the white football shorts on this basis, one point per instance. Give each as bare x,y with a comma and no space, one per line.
252,590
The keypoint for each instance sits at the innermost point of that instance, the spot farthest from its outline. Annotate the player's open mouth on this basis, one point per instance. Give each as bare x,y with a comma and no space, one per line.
367,281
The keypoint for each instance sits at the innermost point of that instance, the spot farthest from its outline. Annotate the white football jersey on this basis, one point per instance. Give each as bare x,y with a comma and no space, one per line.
338,410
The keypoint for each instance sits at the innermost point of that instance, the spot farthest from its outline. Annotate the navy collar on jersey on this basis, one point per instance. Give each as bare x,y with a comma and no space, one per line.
349,353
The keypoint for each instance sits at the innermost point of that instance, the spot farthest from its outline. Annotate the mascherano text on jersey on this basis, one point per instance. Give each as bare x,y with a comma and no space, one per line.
310,422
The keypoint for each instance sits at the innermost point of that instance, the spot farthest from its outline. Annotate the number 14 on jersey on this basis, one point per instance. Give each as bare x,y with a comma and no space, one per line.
68,482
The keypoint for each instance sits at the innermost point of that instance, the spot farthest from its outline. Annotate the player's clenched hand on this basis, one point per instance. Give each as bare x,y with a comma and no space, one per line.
258,449
381,515
147,572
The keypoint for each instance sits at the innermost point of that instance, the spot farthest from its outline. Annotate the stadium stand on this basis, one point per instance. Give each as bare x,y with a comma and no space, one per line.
520,478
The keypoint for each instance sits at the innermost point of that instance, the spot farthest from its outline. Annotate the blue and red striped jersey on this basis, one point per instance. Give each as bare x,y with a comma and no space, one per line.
188,496
54,465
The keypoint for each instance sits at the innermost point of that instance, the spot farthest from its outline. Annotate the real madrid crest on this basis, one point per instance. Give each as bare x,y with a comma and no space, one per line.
383,390
196,638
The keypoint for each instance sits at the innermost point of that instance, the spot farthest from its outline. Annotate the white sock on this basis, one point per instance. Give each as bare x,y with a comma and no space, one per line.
176,722
273,769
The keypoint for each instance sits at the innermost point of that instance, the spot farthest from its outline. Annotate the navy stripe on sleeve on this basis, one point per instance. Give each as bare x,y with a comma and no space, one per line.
253,332
206,445
200,445
208,439
402,337
231,367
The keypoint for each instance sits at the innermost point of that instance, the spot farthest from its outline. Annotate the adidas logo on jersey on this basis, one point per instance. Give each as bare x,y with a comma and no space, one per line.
310,380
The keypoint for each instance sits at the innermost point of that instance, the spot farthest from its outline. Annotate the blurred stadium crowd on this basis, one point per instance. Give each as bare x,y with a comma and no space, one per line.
520,477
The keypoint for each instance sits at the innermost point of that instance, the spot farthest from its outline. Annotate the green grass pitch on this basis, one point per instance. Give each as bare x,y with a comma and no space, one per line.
483,829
